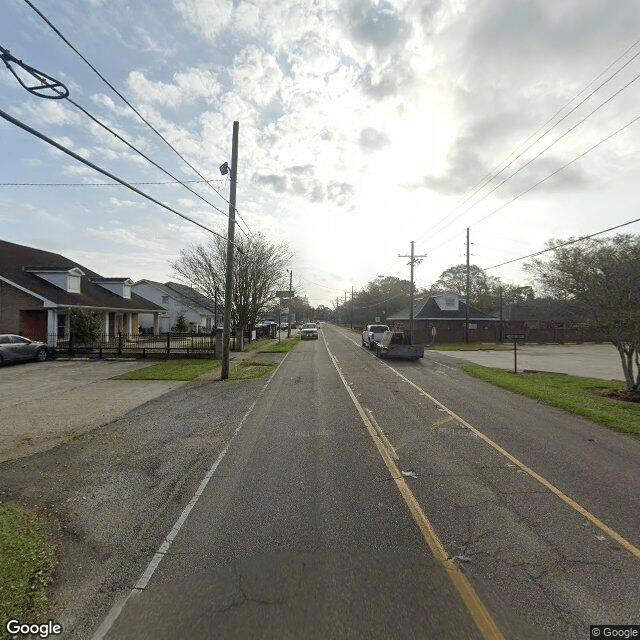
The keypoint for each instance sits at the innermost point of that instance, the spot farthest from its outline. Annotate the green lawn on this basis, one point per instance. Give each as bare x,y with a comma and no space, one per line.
283,346
575,394
27,558
248,369
172,370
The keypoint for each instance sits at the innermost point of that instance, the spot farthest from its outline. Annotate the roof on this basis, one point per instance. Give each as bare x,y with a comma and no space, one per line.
16,266
184,294
428,309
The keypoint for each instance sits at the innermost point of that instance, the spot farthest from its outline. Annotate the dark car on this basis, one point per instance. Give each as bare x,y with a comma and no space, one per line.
15,348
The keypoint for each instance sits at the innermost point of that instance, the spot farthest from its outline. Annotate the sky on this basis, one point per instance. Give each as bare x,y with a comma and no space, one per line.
364,125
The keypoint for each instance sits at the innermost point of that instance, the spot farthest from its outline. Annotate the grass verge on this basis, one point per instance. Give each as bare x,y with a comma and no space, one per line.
461,346
283,346
257,345
178,370
575,394
248,369
27,558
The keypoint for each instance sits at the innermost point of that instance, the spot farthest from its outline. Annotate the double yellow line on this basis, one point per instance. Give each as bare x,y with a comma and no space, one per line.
482,618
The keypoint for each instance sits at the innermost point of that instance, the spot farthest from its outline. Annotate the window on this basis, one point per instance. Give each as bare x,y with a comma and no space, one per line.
450,303
165,299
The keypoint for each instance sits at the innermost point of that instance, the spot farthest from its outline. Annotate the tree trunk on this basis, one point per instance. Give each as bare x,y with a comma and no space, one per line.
626,355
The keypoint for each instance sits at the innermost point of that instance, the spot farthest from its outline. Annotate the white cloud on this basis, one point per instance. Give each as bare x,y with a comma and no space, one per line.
256,75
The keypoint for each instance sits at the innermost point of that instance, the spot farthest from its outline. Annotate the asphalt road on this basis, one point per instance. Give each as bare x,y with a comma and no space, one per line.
416,503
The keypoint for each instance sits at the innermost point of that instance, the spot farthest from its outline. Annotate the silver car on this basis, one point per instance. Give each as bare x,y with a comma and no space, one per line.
14,348
309,332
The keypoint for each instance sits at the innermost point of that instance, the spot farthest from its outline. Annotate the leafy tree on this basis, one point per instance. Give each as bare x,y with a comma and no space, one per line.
601,279
85,326
259,266
484,291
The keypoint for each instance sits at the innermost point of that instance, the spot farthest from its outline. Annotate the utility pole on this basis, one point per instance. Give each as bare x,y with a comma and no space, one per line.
215,307
337,305
352,306
228,288
466,304
290,302
414,259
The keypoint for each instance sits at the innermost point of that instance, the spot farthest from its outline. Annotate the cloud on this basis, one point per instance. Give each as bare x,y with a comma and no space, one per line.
256,75
372,140
377,25
209,17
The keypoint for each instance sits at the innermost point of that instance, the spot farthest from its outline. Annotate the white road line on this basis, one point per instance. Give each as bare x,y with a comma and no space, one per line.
142,583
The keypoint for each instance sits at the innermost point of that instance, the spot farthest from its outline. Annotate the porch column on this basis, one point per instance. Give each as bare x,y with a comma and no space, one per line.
129,319
156,324
105,326
52,327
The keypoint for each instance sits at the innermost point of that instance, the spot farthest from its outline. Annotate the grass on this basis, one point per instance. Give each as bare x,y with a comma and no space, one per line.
27,558
461,346
257,344
248,369
283,346
575,394
178,370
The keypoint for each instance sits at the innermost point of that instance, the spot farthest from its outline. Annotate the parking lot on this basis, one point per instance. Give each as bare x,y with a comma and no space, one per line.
44,403
589,360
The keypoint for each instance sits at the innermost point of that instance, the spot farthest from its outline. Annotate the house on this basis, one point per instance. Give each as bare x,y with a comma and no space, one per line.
442,318
178,299
39,289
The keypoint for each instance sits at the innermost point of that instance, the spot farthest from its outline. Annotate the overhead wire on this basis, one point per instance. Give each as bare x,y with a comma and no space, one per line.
493,174
59,91
563,244
57,145
122,97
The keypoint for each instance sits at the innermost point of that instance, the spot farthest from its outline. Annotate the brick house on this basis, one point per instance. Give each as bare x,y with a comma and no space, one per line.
38,290
441,318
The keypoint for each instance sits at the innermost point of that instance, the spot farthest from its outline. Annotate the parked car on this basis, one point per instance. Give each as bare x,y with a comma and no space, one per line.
309,332
372,334
15,348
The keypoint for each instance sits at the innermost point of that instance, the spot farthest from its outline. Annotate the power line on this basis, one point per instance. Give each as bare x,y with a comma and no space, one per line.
492,175
66,41
57,93
95,167
564,244
97,184
553,173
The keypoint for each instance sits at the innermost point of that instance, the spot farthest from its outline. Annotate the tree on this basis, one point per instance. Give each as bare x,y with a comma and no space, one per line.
85,326
600,278
257,273
484,290
182,326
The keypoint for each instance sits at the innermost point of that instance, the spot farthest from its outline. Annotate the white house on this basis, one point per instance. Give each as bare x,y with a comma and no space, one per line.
177,299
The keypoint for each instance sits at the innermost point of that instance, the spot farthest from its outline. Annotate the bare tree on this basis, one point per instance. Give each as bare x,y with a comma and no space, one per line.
600,277
258,269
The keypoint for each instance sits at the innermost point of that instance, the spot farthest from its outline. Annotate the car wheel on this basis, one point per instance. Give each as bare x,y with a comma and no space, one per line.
1,361
41,355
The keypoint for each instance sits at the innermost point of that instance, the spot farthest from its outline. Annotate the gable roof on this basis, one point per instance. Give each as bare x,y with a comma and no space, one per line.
428,309
183,294
17,263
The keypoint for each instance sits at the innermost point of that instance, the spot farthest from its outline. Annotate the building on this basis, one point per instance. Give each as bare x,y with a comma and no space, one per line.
39,290
178,299
441,318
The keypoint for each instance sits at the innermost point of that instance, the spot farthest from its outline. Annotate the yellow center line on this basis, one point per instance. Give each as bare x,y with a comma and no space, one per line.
481,616
623,542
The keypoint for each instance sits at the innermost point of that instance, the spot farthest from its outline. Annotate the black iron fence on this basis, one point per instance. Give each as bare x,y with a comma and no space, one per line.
178,345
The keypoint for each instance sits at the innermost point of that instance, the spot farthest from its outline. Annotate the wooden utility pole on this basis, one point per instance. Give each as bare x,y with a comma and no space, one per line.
290,302
228,288
466,302
352,307
414,259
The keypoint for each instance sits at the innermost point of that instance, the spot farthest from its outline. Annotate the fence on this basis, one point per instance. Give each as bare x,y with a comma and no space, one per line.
170,345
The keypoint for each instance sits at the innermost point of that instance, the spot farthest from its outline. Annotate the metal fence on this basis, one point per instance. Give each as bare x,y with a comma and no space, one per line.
183,345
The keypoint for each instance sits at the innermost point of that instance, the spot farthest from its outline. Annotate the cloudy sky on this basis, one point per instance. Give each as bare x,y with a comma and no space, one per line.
364,125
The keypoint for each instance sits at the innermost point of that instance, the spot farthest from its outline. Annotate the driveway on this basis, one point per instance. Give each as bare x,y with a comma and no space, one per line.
45,403
588,360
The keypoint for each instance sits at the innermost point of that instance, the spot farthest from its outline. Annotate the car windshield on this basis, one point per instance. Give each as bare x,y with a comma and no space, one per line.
309,326
379,328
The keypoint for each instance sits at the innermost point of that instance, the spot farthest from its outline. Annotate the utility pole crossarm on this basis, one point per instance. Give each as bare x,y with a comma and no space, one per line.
414,259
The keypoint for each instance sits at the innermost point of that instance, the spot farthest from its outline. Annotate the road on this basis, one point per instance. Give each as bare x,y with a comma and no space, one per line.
364,499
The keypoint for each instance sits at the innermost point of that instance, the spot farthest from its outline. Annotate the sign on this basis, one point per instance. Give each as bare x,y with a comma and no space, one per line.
285,311
284,294
376,319
515,336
